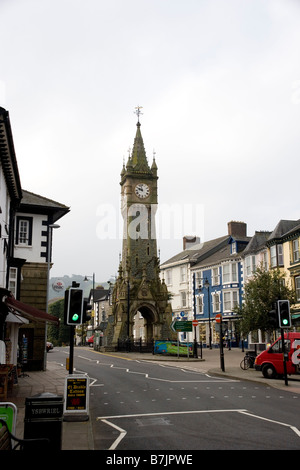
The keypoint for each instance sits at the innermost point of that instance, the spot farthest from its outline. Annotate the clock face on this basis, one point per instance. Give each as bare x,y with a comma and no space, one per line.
142,190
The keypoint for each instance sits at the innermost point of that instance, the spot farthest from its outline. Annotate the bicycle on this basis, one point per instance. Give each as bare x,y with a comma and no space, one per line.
246,362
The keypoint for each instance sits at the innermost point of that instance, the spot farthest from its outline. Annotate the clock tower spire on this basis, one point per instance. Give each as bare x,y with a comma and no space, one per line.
139,205
138,288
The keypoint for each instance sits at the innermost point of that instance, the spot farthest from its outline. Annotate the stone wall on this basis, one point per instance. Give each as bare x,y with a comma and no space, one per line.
33,292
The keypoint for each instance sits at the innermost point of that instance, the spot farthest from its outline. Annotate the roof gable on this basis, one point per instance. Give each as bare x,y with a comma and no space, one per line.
36,204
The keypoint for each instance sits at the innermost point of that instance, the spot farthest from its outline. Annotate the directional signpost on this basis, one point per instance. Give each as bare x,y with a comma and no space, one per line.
181,326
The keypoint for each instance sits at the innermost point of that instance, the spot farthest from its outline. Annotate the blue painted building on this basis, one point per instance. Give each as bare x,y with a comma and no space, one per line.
218,286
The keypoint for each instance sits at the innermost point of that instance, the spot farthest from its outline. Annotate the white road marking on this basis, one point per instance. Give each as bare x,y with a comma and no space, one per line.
293,428
120,437
123,433
146,375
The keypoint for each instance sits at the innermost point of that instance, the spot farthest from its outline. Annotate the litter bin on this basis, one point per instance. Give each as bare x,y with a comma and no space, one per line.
43,418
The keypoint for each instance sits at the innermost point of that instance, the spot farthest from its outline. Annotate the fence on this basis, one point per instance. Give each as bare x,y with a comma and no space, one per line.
136,345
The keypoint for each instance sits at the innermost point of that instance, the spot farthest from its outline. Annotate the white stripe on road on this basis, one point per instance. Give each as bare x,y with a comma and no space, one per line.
293,428
168,413
121,436
123,433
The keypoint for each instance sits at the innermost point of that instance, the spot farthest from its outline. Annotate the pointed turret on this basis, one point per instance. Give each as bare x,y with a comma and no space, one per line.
154,167
138,156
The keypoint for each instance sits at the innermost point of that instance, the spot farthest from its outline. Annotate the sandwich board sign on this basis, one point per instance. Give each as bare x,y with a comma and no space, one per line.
76,401
8,412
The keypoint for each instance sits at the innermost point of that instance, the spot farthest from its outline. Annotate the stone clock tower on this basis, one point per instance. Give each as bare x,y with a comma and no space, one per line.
139,293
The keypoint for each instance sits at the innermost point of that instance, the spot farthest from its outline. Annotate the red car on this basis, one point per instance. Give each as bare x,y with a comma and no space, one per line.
90,340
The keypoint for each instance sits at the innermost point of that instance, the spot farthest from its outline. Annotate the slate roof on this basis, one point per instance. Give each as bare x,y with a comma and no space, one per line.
198,252
8,159
257,242
99,294
34,203
293,230
223,254
282,228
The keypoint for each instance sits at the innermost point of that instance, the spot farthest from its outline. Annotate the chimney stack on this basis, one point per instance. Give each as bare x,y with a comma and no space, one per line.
237,229
189,241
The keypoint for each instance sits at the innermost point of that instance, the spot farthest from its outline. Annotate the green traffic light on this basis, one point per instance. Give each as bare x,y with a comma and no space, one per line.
285,321
75,317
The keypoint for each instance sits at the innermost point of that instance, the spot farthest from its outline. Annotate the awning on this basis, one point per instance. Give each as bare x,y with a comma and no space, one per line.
13,318
30,312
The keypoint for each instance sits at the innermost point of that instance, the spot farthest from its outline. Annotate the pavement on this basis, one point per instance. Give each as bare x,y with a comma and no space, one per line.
78,435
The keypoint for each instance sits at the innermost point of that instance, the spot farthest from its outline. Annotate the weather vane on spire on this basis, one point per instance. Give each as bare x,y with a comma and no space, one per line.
138,112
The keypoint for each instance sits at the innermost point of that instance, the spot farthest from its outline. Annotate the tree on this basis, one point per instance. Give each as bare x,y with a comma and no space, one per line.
260,294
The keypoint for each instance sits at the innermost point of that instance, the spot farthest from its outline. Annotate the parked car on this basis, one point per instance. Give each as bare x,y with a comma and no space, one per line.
270,362
90,340
49,346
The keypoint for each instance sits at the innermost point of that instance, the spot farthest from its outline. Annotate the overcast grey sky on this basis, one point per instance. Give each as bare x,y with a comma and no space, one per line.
219,82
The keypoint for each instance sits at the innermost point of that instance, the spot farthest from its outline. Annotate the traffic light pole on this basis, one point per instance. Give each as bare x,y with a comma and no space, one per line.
221,348
284,357
71,353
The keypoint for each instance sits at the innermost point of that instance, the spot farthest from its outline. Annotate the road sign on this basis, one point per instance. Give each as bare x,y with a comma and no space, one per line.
218,318
181,326
195,323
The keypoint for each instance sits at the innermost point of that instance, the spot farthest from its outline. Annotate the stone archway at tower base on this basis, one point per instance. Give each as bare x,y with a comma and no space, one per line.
157,316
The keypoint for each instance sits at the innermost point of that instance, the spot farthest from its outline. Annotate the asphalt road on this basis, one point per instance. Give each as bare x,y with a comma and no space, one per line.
140,405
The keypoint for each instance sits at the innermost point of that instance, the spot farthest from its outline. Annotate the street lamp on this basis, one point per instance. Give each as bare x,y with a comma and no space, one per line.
206,285
51,227
49,248
195,333
86,280
93,316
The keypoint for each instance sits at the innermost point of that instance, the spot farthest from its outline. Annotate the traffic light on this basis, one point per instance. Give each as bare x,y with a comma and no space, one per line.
73,306
273,318
284,315
86,311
